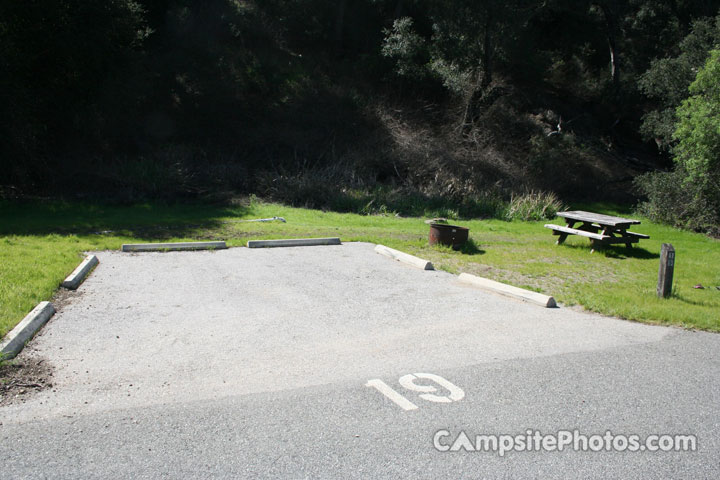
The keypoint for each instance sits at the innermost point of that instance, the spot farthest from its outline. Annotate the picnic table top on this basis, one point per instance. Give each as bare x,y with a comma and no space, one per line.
606,220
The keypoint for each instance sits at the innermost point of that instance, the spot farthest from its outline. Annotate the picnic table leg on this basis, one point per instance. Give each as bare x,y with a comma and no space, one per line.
619,232
563,236
599,244
596,245
622,234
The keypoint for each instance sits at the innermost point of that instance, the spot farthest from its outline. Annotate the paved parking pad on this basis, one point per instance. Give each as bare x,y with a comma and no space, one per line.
336,362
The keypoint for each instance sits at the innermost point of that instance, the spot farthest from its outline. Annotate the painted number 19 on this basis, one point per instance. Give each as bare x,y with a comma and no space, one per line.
427,392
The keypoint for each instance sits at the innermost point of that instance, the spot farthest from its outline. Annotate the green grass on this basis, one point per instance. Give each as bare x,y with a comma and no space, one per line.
41,243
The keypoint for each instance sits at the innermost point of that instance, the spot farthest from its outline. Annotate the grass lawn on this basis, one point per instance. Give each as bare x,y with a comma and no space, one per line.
41,243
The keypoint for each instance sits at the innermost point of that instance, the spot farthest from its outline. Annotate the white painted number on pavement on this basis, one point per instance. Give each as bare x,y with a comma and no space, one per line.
383,388
427,392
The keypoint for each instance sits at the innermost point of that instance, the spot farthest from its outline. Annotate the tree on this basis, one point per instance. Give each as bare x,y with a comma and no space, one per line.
698,130
468,41
667,79
689,196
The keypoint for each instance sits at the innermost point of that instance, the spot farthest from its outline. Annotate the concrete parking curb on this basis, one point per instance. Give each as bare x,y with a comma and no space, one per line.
14,341
74,280
161,247
404,257
297,242
509,290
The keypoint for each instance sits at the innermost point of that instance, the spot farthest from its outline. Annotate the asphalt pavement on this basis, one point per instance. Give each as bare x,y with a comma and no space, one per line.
336,362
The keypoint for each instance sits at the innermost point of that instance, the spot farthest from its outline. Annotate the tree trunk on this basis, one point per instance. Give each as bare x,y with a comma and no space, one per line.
471,108
611,33
614,70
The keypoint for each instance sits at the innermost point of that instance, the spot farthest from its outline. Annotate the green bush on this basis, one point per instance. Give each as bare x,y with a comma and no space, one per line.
689,197
673,201
698,127
667,80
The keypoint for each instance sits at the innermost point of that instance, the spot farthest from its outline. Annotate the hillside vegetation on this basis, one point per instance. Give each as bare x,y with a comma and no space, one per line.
357,104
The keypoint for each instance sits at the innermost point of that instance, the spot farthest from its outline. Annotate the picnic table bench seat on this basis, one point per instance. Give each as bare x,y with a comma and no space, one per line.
638,235
557,229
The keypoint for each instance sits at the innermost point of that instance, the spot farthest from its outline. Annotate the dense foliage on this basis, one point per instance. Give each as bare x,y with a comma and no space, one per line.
137,98
698,130
689,196
667,80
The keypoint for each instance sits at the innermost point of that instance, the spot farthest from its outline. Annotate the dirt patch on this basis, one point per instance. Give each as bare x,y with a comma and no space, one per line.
21,379
62,297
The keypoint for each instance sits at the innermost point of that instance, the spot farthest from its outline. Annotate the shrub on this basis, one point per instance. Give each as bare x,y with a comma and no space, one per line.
534,206
698,127
689,197
674,201
339,188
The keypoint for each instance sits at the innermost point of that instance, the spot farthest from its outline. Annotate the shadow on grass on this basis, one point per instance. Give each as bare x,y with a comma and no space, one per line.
624,252
684,299
617,252
471,248
149,220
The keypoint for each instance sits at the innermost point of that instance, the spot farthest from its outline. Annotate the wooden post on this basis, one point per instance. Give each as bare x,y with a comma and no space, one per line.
665,274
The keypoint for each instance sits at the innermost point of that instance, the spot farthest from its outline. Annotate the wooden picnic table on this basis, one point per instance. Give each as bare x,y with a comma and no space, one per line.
600,229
